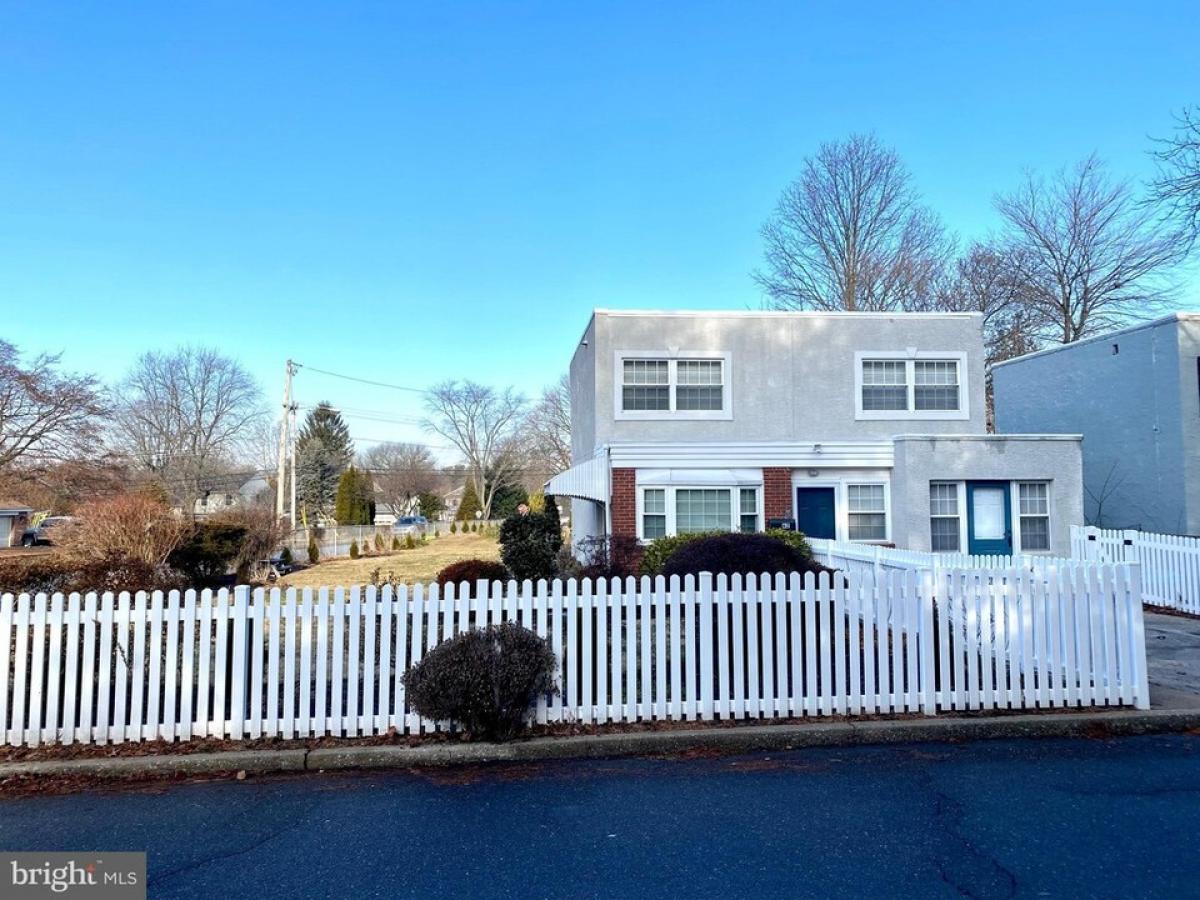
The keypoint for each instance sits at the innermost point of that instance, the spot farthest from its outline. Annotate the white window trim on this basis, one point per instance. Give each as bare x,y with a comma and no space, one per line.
910,356
1015,493
672,414
961,492
841,499
669,497
1014,502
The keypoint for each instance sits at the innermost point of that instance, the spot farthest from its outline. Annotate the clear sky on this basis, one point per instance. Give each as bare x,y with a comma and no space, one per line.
411,192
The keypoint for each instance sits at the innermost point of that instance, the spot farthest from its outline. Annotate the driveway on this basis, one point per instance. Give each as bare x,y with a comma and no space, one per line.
1173,661
996,819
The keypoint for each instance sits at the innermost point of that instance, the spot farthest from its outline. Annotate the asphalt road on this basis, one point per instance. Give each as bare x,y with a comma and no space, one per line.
1117,818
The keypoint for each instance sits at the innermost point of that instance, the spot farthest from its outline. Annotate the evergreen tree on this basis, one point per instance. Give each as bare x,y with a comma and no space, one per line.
323,451
355,501
430,504
470,503
506,499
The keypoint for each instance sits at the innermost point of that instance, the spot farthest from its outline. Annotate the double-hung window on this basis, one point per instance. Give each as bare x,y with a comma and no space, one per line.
895,385
1034,507
945,525
867,512
654,513
685,387
646,385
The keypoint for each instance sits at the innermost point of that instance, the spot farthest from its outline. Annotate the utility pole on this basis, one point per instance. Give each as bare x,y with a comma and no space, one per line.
292,416
284,421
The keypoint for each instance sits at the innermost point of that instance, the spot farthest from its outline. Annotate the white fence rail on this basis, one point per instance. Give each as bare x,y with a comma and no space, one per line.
297,664
873,559
1170,563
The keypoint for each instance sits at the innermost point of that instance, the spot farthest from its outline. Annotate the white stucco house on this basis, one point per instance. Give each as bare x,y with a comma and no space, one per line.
856,426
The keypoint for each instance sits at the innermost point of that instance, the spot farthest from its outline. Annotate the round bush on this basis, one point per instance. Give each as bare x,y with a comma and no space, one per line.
471,570
486,679
738,554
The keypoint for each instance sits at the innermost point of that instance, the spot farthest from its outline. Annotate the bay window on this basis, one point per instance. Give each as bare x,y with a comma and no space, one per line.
673,510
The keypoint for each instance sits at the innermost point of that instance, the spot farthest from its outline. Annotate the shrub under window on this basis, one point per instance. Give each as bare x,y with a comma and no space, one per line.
739,554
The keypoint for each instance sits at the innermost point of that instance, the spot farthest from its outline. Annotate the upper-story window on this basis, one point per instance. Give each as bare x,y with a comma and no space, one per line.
910,385
684,387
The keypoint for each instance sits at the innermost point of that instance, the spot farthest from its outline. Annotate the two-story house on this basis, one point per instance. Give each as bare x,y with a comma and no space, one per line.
1134,395
855,426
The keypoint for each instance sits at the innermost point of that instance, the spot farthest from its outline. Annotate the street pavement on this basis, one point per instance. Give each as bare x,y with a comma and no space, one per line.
1055,818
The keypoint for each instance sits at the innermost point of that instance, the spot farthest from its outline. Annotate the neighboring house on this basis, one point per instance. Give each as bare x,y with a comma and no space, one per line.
231,492
856,426
13,520
1134,395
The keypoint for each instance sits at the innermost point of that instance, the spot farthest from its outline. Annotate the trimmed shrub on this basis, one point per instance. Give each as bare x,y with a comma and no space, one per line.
207,553
660,549
395,543
485,679
379,544
285,556
529,543
409,543
471,570
738,554
354,549
314,552
792,539
453,528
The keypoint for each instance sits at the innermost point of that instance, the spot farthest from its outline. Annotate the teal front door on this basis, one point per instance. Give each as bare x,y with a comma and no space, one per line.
814,512
989,518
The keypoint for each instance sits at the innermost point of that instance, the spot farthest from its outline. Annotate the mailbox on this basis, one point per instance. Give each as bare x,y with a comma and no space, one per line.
782,524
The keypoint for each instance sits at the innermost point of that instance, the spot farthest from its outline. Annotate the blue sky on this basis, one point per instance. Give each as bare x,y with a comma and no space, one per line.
414,192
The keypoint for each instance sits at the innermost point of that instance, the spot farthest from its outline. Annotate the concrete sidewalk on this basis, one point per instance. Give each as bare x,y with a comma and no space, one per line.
1173,656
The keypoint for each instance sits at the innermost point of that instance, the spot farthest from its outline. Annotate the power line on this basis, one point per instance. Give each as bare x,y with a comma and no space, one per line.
382,384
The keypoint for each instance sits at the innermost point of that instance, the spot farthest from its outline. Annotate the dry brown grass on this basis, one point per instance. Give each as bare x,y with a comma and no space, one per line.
421,564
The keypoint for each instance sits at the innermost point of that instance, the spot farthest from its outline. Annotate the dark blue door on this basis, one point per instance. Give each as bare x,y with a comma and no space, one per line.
989,518
814,512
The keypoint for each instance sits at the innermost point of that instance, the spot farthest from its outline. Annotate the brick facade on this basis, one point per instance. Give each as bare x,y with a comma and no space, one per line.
777,493
624,502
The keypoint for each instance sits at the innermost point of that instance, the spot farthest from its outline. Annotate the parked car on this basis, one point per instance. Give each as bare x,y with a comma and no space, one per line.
416,525
275,567
42,533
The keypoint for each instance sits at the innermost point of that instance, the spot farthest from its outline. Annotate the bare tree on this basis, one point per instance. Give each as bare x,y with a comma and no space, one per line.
548,429
1177,185
483,424
851,234
986,280
1090,255
184,415
46,415
401,471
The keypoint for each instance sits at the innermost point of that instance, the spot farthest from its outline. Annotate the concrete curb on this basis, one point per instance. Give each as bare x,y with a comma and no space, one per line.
735,740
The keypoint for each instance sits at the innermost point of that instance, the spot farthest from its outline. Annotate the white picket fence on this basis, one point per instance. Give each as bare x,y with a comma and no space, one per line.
297,664
1170,563
863,558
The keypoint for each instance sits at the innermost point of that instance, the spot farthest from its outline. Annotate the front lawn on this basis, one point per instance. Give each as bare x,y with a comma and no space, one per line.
421,564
